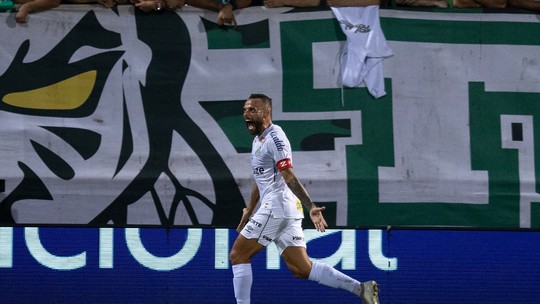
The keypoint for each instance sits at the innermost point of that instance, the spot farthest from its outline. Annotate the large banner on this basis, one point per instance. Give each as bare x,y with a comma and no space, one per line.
118,118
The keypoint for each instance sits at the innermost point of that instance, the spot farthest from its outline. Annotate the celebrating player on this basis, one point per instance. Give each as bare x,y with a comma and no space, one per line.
280,196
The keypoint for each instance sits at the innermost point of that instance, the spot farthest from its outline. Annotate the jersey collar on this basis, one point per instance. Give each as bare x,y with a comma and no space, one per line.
265,132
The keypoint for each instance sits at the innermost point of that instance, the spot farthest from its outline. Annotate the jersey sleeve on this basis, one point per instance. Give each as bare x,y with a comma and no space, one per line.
281,150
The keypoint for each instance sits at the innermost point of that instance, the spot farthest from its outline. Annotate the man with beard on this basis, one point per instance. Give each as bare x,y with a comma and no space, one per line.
280,196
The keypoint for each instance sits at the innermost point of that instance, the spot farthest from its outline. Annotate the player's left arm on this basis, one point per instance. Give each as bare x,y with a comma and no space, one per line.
248,211
315,213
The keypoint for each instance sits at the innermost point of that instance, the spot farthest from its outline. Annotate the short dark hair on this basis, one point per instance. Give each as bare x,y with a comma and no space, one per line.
267,100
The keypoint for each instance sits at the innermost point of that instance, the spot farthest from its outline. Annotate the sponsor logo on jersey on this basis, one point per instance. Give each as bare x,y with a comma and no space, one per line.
258,170
279,143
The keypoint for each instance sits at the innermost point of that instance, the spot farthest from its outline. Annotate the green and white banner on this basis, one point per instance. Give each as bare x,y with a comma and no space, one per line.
119,118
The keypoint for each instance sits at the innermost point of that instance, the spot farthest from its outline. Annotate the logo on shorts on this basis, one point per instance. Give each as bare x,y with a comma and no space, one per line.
267,238
249,229
297,238
252,221
299,205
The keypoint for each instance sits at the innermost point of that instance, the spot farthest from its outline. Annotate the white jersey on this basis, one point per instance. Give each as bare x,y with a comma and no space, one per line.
365,48
269,150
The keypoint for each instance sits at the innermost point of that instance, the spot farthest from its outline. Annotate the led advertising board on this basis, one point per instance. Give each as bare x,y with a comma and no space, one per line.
132,265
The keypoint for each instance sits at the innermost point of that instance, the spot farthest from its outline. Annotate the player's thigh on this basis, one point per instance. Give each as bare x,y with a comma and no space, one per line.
297,261
244,249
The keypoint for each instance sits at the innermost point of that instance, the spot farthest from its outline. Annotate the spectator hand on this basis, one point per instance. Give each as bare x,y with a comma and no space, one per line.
106,3
148,5
22,14
273,3
175,4
226,16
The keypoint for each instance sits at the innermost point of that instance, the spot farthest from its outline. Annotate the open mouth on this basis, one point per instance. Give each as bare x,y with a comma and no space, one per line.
250,125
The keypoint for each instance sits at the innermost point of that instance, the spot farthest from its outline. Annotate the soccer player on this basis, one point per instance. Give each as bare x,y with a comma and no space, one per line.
280,196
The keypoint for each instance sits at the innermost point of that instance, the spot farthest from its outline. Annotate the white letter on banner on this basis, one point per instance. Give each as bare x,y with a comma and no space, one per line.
376,253
272,256
346,253
47,259
522,139
432,145
106,247
181,258
221,240
6,247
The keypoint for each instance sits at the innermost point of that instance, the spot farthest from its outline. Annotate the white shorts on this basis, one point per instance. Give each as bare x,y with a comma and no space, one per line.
284,232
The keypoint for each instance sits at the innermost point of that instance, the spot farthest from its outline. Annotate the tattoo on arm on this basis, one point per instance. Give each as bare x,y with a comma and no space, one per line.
298,189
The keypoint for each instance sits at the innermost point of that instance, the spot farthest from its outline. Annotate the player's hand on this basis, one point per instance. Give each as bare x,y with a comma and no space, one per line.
244,220
318,219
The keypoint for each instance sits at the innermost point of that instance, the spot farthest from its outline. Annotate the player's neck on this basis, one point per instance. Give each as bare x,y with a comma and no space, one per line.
265,127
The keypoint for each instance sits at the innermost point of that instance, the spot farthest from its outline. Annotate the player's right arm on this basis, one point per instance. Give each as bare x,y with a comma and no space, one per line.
248,211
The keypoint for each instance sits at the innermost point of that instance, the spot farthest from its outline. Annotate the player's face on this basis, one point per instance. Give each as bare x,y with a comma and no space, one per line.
254,116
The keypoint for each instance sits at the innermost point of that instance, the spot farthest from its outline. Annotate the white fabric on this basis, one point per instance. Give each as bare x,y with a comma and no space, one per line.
365,48
284,232
275,196
242,281
328,276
